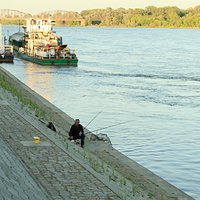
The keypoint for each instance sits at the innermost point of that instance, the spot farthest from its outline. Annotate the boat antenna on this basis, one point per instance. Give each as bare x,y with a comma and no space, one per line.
7,36
92,119
110,126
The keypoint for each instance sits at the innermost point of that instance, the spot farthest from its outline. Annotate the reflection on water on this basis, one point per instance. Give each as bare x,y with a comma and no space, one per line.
149,77
35,76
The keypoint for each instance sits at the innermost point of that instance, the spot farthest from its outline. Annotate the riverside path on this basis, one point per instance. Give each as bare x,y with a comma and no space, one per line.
44,171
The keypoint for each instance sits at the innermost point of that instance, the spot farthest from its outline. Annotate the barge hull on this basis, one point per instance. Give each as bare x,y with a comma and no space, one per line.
42,61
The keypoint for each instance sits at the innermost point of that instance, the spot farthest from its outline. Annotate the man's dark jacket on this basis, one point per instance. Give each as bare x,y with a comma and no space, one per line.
75,130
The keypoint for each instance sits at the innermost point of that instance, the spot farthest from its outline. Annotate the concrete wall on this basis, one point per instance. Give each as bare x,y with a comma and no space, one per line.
131,170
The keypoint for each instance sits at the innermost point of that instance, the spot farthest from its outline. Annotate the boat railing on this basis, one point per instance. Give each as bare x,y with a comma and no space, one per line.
6,48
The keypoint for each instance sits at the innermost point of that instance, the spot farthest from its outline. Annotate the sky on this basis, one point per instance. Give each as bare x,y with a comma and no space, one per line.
36,6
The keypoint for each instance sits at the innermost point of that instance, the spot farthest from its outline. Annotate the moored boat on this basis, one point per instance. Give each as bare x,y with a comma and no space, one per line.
39,44
6,51
6,54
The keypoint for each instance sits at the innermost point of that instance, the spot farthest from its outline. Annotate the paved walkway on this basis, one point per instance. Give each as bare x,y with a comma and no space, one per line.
44,171
15,182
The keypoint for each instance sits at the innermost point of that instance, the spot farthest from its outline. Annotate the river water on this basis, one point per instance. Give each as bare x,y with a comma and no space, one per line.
146,77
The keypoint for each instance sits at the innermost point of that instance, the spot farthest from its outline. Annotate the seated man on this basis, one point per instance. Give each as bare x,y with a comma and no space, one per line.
77,132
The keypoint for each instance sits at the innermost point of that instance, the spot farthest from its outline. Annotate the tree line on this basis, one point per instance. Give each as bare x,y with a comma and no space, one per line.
151,16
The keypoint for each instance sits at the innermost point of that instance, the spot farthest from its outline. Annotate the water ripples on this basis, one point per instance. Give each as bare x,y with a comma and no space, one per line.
147,77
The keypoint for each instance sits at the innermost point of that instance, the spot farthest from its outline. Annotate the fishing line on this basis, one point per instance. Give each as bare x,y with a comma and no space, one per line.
109,126
92,119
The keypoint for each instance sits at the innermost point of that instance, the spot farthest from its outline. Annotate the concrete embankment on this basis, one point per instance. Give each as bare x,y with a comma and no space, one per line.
124,177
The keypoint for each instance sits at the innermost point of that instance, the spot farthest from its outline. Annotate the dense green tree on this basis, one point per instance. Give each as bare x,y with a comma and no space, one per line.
151,16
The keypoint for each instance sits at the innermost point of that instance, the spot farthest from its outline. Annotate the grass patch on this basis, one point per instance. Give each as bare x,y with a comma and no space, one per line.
21,98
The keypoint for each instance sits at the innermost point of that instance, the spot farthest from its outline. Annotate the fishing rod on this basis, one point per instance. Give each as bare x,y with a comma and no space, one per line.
85,126
92,119
109,126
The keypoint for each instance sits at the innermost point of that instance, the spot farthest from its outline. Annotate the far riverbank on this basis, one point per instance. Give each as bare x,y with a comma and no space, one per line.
15,22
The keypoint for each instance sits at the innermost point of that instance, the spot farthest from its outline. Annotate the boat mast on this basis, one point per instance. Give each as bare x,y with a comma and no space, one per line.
19,26
1,36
